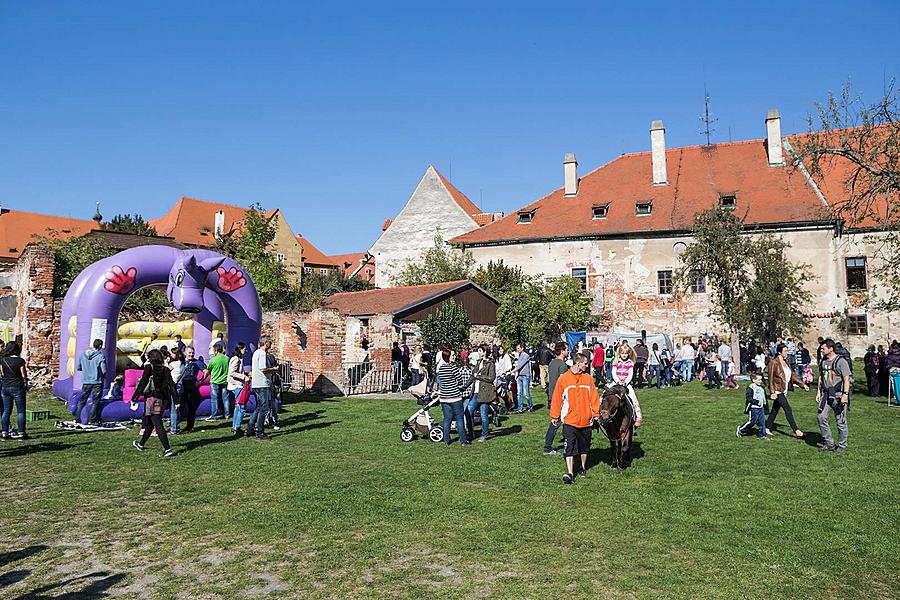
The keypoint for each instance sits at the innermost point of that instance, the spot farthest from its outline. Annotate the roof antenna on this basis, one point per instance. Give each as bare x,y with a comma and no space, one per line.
708,120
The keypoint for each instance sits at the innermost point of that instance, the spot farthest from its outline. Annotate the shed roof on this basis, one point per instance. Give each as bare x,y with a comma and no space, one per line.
394,300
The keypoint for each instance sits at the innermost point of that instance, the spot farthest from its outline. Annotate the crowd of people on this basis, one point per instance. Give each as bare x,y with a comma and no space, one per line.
473,382
171,380
470,382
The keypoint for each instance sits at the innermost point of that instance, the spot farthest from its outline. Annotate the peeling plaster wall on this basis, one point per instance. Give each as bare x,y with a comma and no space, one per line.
622,280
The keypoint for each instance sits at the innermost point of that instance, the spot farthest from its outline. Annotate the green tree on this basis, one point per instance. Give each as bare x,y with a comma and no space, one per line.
126,223
71,256
754,288
250,248
447,327
568,306
539,311
774,301
522,315
862,142
438,264
501,280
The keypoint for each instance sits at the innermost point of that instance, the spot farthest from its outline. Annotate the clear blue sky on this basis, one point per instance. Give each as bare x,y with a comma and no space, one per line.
332,112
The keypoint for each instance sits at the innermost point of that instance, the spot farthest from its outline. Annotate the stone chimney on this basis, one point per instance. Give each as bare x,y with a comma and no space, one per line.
219,225
658,150
773,141
570,173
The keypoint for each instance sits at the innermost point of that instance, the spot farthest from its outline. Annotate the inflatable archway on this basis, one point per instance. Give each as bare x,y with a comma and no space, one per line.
207,284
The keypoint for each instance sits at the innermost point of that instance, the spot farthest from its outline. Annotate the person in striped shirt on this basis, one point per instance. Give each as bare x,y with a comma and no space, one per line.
450,386
623,373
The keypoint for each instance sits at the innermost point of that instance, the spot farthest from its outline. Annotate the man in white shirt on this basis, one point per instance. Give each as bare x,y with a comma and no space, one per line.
724,352
261,385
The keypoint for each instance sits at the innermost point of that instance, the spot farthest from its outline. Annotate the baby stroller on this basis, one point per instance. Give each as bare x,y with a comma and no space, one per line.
505,394
420,421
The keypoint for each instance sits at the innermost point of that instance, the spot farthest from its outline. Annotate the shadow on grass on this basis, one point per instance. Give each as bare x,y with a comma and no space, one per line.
309,427
288,421
307,398
602,454
504,431
23,448
814,439
8,557
95,585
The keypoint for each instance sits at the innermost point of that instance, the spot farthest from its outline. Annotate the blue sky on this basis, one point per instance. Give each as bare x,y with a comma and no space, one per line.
332,111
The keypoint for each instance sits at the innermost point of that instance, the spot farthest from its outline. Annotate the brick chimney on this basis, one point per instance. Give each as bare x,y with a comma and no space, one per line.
658,150
570,173
773,140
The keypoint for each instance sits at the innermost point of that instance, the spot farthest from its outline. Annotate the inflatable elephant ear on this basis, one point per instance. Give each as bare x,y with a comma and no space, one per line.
212,263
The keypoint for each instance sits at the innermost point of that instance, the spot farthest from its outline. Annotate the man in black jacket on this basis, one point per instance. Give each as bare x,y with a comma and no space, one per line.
640,362
556,368
544,356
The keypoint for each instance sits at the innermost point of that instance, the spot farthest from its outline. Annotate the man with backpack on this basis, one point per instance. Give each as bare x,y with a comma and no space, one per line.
92,364
833,395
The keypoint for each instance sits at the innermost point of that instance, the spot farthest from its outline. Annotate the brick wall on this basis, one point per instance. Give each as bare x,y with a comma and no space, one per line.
36,322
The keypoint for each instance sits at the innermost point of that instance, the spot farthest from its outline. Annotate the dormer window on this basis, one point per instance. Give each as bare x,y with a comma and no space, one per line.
644,208
727,201
599,211
525,217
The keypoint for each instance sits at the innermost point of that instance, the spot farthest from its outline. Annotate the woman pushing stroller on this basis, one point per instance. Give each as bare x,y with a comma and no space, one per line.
622,374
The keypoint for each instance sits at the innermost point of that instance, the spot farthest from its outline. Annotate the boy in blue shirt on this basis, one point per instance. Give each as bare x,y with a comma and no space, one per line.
756,406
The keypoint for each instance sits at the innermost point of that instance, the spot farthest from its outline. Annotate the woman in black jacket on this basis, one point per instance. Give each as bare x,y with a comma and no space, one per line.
158,390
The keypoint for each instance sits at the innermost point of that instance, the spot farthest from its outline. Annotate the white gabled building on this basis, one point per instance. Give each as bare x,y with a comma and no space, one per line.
435,206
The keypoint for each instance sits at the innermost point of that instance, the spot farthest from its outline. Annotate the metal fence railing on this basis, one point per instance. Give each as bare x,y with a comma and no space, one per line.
370,377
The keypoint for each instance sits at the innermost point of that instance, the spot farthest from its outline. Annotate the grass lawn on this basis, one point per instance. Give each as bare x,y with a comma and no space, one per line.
336,506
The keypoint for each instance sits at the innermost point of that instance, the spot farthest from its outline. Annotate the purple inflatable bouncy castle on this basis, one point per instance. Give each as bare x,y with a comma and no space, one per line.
207,284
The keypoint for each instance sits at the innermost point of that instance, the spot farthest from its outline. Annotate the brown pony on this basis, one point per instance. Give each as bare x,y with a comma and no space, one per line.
617,418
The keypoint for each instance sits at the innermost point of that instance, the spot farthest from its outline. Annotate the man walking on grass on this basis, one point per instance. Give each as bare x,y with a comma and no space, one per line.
261,385
556,368
576,404
523,377
833,395
92,364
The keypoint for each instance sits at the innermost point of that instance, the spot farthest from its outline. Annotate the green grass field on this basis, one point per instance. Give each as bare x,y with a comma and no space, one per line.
336,506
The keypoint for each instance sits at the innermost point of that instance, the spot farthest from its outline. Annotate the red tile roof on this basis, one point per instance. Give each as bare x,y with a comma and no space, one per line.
386,224
312,256
388,300
458,197
349,264
18,228
697,175
836,173
192,221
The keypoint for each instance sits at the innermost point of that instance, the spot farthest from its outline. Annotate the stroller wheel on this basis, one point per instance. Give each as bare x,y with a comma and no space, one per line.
436,434
503,410
407,434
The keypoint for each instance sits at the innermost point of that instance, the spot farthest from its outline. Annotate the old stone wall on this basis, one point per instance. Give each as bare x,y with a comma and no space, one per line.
622,278
430,209
36,323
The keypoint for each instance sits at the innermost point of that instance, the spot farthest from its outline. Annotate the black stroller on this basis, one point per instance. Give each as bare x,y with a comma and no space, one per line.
505,398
